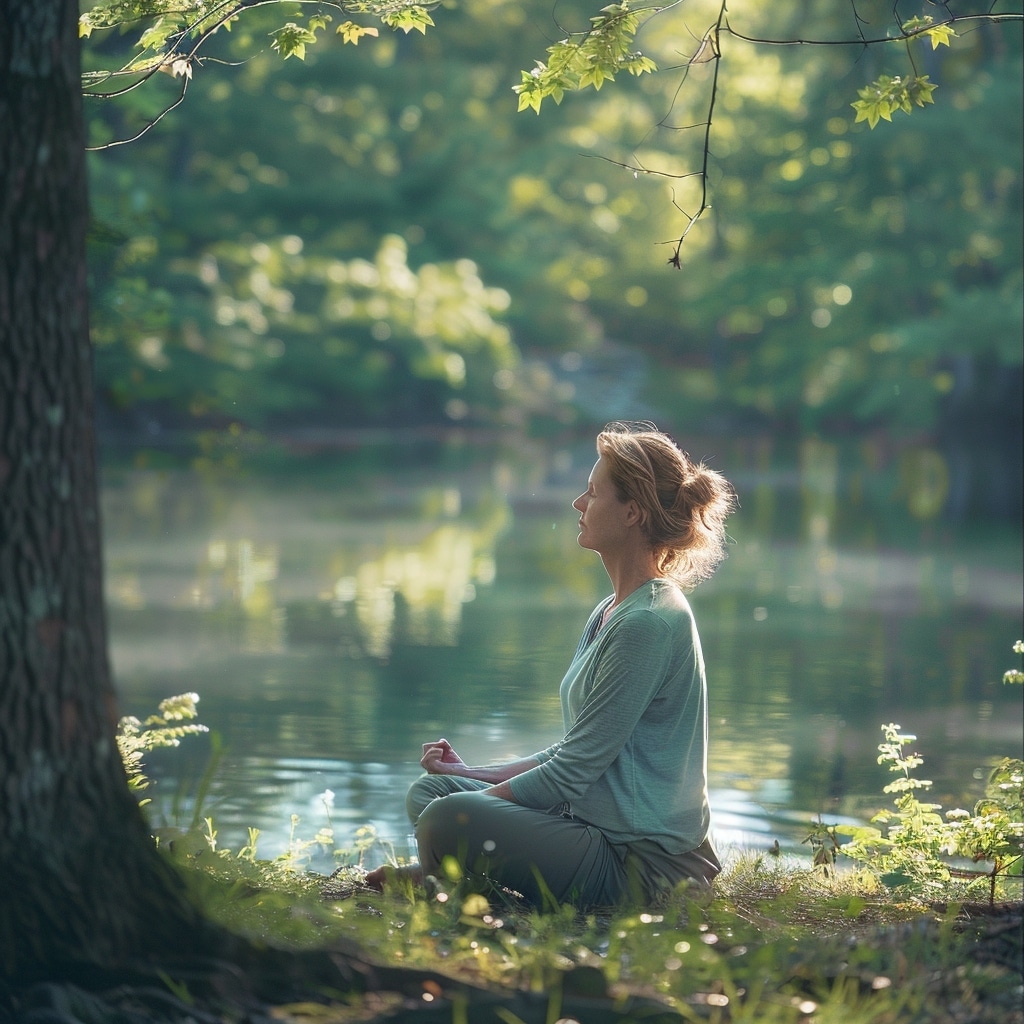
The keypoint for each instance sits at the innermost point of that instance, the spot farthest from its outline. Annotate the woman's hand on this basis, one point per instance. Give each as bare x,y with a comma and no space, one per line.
440,759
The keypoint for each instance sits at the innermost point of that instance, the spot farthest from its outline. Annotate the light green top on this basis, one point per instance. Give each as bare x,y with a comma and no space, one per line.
633,761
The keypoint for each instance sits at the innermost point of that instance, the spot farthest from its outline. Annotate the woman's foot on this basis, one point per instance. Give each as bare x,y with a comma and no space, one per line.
390,875
345,882
352,880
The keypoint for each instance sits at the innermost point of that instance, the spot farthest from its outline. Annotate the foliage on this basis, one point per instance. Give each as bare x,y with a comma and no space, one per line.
174,33
914,851
367,329
387,160
887,94
578,61
845,278
173,36
589,60
135,739
852,289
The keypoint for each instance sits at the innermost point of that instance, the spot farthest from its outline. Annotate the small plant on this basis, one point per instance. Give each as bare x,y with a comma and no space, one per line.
909,851
918,847
295,859
995,832
165,729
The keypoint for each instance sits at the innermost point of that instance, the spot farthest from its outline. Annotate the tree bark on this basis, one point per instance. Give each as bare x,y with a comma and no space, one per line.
81,880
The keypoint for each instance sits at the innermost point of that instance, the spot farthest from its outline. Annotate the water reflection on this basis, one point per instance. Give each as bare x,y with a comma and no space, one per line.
332,623
386,577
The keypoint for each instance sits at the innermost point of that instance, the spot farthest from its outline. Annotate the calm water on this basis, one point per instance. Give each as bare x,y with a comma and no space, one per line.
334,617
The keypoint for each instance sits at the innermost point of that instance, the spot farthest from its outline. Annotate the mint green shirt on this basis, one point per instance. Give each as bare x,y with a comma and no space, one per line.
633,761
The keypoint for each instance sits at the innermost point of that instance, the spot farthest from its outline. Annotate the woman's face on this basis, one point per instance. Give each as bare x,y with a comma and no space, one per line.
604,518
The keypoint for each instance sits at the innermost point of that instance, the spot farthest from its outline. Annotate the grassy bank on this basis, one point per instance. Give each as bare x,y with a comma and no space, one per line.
777,942
916,917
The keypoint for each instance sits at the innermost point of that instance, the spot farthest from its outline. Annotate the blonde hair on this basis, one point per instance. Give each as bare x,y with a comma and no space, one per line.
683,504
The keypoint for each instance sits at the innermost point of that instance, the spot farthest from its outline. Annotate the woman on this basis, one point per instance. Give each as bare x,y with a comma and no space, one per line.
618,808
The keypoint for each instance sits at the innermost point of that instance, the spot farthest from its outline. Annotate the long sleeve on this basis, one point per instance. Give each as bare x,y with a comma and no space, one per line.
633,758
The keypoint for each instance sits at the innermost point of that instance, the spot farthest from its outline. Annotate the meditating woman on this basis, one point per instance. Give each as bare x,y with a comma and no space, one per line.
617,810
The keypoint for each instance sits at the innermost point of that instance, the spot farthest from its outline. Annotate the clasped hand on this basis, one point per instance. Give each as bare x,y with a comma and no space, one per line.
440,759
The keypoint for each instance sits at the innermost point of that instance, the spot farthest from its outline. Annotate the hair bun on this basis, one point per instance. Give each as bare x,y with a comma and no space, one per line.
684,503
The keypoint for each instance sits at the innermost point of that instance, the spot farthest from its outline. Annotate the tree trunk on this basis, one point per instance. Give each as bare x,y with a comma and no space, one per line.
79,875
84,896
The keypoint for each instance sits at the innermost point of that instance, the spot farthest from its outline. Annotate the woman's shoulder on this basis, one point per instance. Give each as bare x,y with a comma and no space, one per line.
666,597
656,606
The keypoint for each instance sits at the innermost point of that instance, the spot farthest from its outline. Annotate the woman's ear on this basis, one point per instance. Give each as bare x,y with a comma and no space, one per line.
634,514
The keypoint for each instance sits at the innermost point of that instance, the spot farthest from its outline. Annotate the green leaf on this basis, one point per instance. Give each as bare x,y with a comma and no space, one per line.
940,35
156,36
924,26
595,77
883,97
641,65
859,833
531,93
586,59
352,33
411,18
291,40
855,905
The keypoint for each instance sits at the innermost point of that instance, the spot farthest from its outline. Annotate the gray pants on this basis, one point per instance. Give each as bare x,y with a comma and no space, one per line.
542,855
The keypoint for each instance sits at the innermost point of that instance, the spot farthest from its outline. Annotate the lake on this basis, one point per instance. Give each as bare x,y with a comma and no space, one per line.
337,612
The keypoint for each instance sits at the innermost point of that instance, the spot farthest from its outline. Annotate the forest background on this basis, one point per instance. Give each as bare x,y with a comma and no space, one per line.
374,237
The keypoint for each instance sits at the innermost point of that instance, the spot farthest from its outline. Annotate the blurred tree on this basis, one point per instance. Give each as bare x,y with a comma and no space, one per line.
398,140
845,278
395,141
863,283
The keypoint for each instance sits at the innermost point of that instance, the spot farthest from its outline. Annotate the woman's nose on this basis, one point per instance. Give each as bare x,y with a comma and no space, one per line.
579,503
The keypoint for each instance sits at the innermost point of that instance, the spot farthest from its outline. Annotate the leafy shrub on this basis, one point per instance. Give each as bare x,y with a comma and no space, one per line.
919,848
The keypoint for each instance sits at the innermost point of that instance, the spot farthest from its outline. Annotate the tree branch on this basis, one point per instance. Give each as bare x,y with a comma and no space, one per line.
182,60
723,27
156,120
877,40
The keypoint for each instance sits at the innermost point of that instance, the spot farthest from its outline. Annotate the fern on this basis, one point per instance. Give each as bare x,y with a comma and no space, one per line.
135,739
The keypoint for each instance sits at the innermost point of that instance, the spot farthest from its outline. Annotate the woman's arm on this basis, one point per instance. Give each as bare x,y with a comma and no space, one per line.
439,758
630,670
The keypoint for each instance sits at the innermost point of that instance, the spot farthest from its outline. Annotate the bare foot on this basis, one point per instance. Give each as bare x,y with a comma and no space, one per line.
389,874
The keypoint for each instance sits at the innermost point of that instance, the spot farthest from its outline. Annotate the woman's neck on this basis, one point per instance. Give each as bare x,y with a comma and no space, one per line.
628,574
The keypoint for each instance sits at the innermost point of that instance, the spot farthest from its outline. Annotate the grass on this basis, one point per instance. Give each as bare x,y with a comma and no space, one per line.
778,942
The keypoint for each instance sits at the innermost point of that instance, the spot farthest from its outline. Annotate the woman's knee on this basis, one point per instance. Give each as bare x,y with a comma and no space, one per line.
428,788
459,825
420,793
446,815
